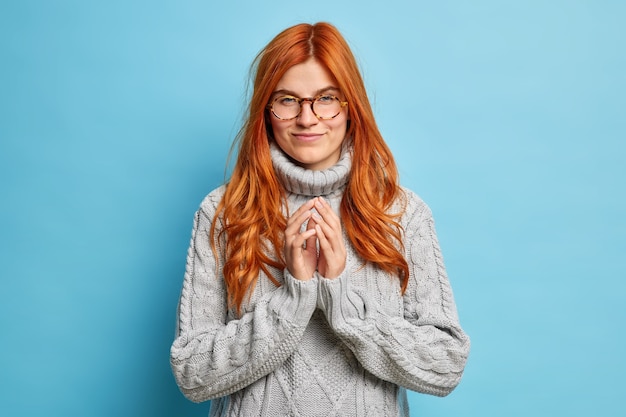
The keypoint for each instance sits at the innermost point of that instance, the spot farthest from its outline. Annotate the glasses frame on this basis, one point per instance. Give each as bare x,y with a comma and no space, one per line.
311,101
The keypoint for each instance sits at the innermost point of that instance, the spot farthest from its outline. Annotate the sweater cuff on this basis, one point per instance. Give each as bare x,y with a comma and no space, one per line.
338,301
295,300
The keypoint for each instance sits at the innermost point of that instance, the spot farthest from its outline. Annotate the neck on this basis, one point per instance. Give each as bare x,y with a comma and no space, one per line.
299,180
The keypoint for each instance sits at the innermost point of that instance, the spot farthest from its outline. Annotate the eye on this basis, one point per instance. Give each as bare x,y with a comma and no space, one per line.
326,99
287,101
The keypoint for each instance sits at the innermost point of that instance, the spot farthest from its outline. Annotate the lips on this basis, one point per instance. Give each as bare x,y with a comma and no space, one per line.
307,137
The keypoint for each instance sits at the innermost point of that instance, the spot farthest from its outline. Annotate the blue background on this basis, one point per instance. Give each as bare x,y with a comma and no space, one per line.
116,118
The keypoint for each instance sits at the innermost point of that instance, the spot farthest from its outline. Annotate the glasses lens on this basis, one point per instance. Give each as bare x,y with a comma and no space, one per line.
326,107
286,107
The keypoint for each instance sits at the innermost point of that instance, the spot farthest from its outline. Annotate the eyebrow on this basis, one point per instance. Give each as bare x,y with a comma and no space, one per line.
317,93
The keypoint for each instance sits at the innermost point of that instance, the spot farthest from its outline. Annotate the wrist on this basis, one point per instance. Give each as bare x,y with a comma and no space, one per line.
332,273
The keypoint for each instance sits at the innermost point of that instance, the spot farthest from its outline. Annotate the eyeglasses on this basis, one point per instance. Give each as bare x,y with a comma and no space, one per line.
324,106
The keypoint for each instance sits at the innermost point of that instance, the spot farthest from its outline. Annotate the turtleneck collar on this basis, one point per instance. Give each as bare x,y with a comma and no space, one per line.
307,182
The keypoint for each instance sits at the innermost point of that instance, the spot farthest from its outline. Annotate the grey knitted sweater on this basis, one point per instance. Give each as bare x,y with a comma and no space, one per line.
348,346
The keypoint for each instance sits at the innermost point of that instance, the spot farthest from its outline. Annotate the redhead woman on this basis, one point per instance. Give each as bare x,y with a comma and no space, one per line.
314,283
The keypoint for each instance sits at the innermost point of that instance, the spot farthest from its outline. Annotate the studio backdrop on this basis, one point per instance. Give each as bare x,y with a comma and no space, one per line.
506,117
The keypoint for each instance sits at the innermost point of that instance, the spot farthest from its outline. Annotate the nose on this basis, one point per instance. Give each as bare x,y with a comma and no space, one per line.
306,116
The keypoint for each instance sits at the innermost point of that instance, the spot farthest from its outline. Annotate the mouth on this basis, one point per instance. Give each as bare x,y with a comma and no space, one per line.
307,137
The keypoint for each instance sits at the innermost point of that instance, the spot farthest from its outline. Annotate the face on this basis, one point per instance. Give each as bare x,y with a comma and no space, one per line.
311,142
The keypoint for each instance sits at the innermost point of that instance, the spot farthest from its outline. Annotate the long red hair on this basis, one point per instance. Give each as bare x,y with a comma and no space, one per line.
251,213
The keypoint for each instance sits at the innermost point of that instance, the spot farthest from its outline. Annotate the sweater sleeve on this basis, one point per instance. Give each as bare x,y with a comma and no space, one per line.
212,355
424,349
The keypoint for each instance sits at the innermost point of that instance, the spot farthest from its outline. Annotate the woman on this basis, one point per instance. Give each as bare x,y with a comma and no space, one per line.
314,282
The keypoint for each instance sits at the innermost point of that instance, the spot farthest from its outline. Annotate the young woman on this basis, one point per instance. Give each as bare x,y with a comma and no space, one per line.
314,283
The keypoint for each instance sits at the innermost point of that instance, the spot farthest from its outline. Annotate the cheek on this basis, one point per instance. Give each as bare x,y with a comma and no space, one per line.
340,125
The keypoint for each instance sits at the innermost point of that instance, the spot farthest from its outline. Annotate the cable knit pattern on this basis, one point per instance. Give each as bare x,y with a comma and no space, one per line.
348,346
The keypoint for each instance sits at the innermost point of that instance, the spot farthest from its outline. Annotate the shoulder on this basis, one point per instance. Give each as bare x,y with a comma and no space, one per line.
211,200
411,197
208,206
411,205
414,212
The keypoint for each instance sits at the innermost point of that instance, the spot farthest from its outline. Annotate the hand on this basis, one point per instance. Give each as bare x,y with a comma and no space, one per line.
332,256
300,246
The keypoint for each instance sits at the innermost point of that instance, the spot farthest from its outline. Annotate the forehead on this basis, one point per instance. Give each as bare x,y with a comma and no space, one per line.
306,79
